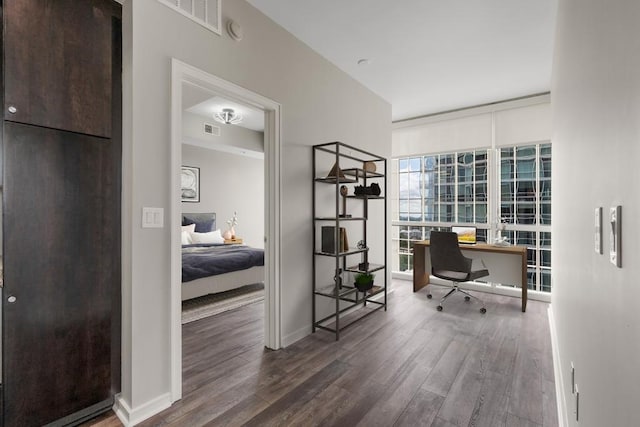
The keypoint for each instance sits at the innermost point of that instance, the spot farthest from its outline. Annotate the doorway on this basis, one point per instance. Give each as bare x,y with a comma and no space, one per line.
185,74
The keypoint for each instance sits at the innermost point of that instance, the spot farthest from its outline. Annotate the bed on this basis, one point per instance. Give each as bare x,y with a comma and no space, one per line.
210,266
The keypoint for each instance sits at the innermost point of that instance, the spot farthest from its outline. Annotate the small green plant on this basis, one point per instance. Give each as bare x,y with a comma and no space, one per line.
364,278
364,281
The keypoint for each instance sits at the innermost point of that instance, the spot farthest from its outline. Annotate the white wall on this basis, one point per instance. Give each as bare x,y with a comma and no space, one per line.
228,183
231,139
315,97
596,153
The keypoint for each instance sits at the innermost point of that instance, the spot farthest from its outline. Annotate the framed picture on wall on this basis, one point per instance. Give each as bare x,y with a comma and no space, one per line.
190,184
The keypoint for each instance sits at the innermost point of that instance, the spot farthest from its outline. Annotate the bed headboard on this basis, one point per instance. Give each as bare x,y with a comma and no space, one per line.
205,222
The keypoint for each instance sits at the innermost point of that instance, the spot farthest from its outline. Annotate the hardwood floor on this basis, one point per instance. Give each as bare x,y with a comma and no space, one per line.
410,366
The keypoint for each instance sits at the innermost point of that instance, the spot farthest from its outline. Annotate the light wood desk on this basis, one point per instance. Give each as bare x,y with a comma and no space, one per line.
506,264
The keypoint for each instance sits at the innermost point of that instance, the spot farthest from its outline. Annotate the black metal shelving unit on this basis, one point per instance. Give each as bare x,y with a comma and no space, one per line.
351,167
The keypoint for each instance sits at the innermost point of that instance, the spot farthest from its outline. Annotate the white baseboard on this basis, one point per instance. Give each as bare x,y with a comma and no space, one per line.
303,332
482,287
561,399
130,417
289,339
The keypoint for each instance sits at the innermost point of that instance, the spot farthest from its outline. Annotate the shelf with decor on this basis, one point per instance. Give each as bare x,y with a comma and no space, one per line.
349,199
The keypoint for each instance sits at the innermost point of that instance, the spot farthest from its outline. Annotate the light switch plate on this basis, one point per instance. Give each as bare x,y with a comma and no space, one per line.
598,230
152,217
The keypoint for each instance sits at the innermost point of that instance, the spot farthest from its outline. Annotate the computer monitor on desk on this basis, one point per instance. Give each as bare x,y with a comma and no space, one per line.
466,234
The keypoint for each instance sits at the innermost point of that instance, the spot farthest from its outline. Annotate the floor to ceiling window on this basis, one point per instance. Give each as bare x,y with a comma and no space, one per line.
525,206
507,188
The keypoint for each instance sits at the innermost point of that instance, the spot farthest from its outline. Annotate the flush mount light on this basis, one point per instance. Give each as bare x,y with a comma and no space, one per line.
228,116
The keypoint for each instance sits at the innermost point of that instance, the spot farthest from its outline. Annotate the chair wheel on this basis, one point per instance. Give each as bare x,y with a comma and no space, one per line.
466,298
429,296
483,310
439,308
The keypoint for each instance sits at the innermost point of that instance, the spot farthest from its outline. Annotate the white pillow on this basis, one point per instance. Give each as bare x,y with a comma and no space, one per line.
186,238
189,228
211,237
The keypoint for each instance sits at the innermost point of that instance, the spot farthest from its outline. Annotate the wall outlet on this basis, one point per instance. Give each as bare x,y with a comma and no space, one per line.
573,379
577,410
598,230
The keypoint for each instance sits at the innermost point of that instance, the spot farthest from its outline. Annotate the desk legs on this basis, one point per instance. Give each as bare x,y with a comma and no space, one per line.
524,282
420,276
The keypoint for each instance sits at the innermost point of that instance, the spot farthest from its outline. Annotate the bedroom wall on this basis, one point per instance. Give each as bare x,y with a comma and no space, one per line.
232,139
228,183
316,97
596,152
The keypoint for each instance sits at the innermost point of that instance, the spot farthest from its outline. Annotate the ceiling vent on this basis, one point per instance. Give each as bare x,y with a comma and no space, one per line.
210,129
205,12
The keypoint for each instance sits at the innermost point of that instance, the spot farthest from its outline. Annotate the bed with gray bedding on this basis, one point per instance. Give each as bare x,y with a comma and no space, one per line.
203,260
212,268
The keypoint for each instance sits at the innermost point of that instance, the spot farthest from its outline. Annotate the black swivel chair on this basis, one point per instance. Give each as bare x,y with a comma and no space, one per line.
447,262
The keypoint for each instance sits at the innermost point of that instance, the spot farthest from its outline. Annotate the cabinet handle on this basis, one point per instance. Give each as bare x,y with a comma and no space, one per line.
12,299
12,109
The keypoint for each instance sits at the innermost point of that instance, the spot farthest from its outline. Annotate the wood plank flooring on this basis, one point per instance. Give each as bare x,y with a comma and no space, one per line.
409,366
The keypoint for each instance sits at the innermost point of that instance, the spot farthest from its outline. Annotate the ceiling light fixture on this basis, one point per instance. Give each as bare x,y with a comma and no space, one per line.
228,116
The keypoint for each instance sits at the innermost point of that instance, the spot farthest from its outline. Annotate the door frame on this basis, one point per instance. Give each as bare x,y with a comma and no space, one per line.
184,73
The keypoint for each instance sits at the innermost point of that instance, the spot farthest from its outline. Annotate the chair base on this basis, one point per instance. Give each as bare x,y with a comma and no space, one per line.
467,297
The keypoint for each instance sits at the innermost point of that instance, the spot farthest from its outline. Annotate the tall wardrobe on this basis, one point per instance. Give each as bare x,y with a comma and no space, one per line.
61,226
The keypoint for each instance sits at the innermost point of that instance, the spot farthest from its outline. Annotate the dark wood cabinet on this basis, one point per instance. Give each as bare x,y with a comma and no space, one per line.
57,64
61,190
58,267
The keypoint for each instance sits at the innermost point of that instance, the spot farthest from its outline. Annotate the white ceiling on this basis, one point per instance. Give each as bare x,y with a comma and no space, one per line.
429,56
198,101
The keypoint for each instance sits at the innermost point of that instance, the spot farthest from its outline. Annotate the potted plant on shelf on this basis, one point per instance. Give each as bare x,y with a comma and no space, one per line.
364,281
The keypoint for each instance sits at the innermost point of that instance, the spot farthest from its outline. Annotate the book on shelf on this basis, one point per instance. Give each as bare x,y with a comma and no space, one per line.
328,239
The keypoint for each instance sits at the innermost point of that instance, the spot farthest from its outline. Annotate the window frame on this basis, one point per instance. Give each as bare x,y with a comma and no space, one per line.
404,230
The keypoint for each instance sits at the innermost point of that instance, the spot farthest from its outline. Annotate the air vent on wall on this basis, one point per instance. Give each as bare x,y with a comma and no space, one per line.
210,129
205,12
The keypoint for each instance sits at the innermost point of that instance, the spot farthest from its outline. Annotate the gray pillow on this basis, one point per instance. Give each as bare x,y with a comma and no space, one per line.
205,222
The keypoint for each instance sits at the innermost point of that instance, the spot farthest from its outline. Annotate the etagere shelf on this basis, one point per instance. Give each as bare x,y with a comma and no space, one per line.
338,169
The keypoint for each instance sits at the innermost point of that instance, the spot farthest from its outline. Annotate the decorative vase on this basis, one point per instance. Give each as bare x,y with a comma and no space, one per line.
228,235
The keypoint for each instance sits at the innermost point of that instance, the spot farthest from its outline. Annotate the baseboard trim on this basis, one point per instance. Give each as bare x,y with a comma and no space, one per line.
482,287
289,339
303,332
561,399
130,417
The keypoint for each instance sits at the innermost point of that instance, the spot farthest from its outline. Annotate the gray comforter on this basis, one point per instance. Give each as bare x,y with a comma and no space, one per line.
209,260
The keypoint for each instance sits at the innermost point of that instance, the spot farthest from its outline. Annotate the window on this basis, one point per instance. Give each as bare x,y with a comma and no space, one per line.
436,191
525,206
439,190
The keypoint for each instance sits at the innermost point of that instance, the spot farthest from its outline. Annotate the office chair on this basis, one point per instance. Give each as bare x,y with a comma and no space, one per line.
447,262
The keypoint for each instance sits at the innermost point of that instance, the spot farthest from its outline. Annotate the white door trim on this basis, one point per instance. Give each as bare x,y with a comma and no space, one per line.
184,73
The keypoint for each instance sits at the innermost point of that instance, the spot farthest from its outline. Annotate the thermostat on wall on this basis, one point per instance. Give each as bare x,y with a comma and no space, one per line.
615,236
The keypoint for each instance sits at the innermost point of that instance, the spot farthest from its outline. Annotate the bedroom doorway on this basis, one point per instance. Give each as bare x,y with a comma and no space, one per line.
187,81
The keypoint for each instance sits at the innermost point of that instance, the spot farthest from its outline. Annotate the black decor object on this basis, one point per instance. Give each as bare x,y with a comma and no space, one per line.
371,190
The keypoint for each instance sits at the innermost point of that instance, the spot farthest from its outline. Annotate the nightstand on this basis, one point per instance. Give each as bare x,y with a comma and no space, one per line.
235,241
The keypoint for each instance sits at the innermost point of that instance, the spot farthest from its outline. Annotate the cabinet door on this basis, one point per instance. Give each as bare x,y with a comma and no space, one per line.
60,237
57,65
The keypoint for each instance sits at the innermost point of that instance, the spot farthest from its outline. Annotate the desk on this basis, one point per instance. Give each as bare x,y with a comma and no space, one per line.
506,264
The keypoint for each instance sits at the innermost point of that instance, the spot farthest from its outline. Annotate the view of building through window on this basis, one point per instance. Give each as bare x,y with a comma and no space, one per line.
441,190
